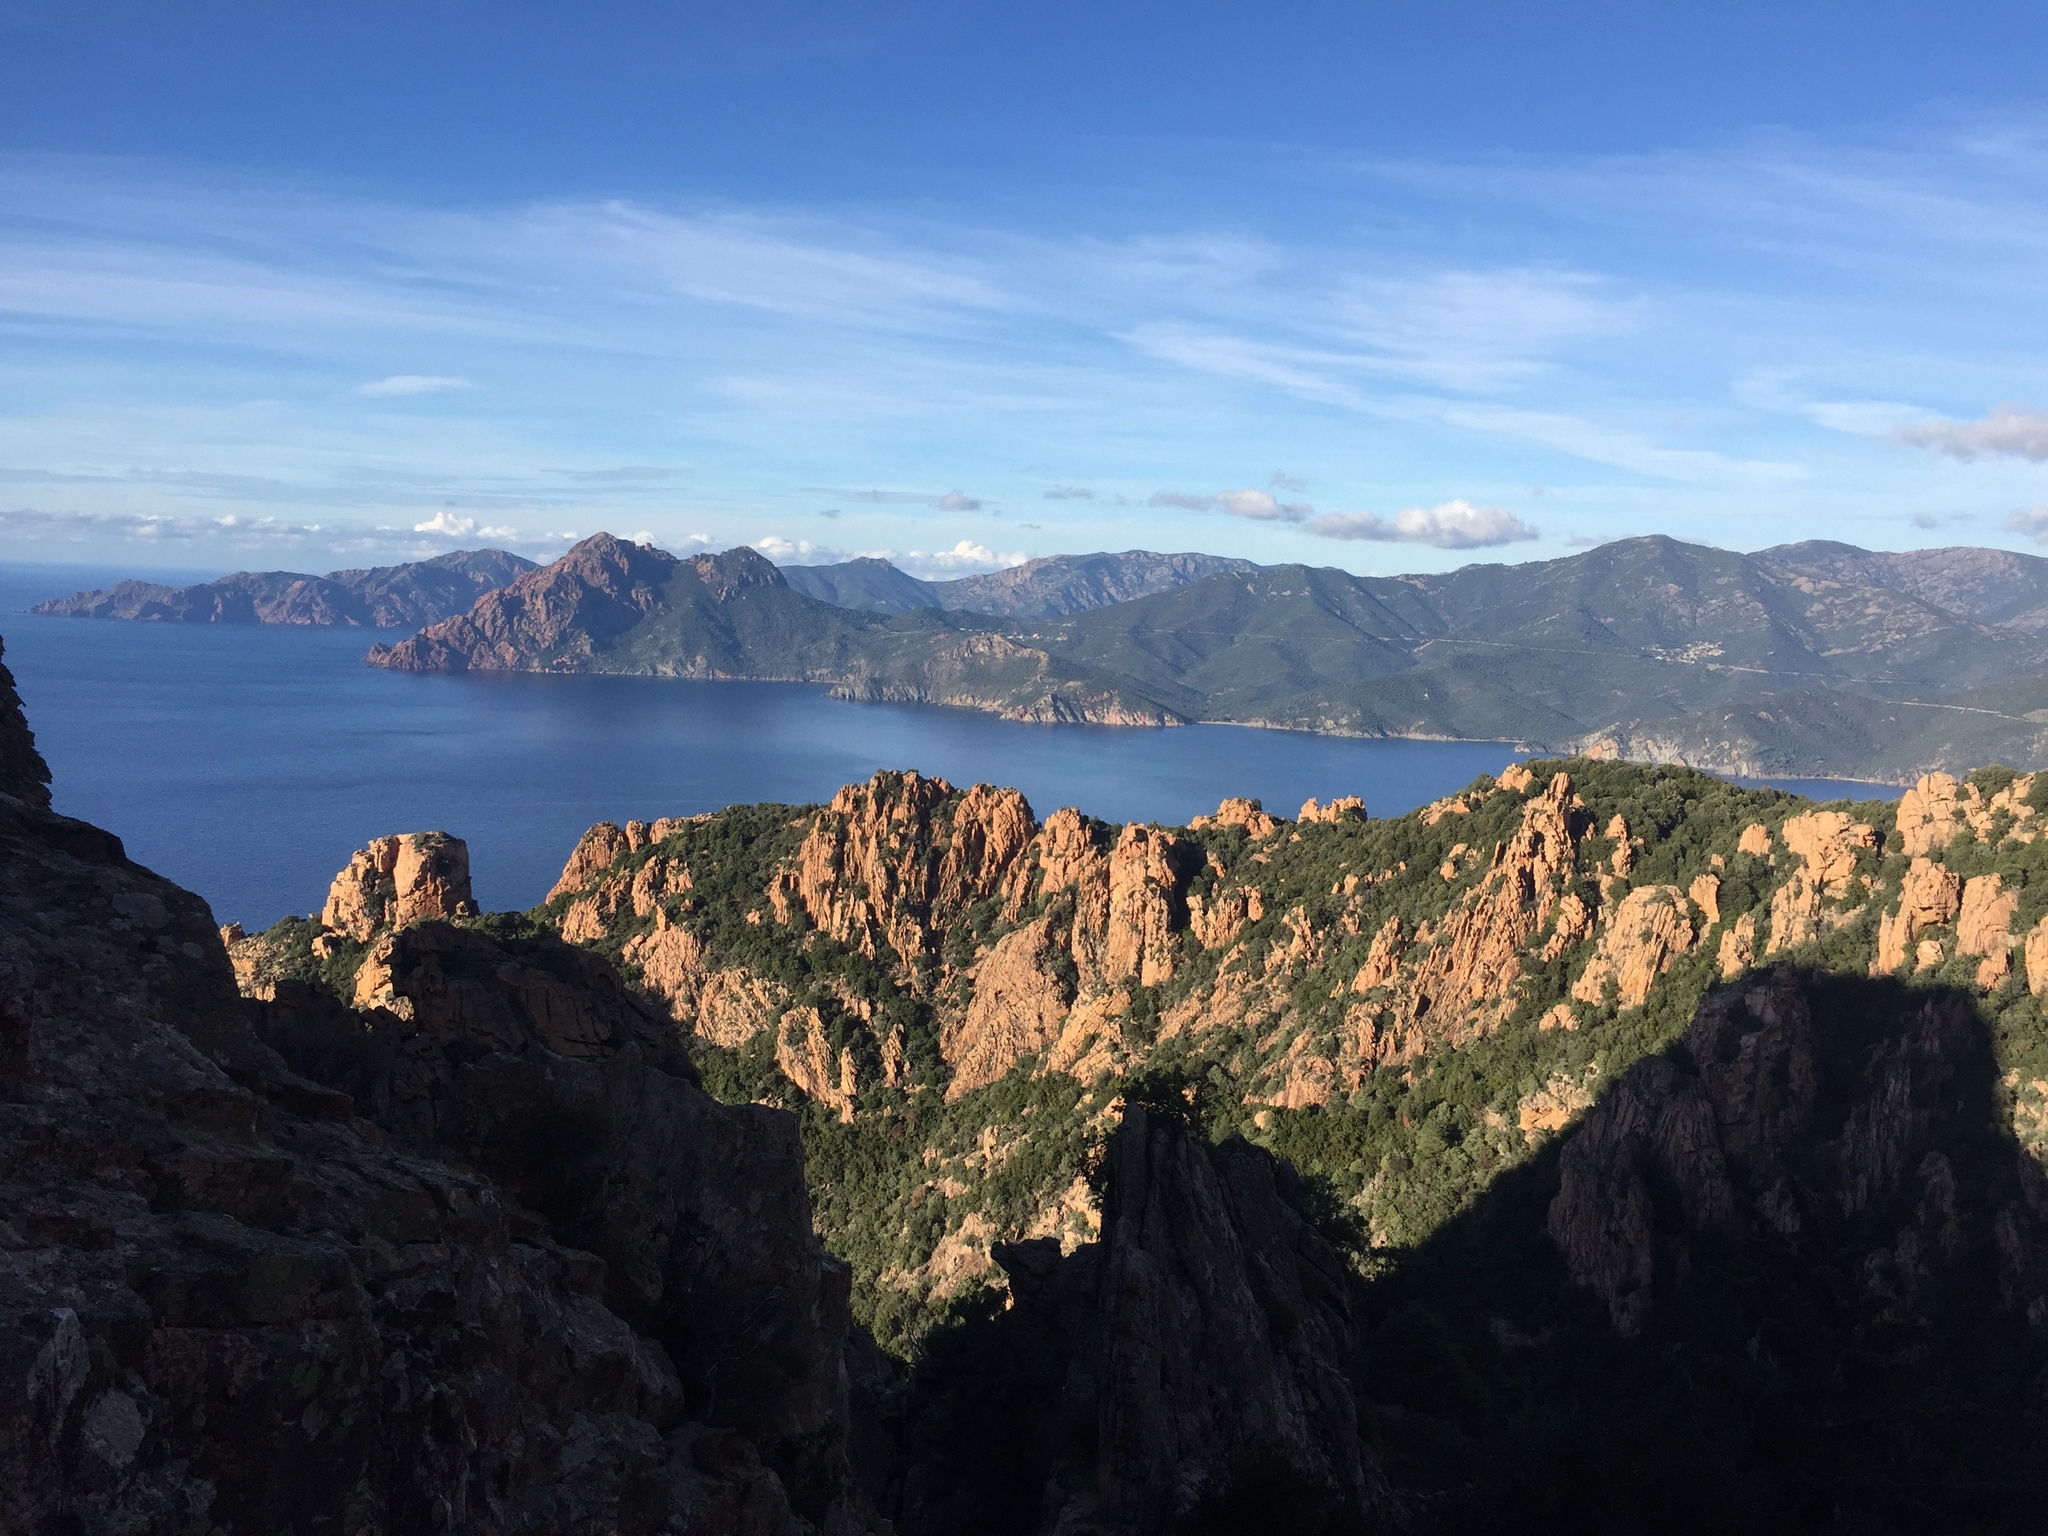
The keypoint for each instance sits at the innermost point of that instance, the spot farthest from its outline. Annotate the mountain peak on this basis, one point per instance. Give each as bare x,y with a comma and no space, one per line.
736,570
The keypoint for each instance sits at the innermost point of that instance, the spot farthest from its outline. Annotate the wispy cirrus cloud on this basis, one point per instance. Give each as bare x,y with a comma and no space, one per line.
413,384
1250,503
220,332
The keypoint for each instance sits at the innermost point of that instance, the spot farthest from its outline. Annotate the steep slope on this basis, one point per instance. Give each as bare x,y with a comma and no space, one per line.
23,773
1988,586
383,597
868,584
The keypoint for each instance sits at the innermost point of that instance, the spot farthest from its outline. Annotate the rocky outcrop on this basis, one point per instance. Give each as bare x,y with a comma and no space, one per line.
1812,1110
1017,1010
414,877
807,1059
557,1289
1340,809
868,869
1928,816
1650,929
1147,882
1206,1330
1251,816
1807,906
23,773
603,846
540,1070
1984,927
1929,897
550,619
1738,947
1455,984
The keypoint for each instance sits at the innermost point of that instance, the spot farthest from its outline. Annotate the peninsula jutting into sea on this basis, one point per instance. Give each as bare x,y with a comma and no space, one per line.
1807,660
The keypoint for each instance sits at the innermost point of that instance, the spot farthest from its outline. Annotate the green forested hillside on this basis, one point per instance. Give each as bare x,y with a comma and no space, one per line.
1646,649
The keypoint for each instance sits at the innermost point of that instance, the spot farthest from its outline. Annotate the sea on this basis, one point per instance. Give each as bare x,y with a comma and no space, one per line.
247,762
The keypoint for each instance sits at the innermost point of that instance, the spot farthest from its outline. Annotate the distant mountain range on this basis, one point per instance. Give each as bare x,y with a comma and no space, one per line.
1810,659
1039,589
382,597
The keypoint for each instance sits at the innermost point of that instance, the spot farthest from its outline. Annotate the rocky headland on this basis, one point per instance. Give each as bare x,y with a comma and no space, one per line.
608,606
380,597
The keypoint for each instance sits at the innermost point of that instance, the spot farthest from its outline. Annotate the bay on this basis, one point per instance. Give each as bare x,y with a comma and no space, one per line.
247,762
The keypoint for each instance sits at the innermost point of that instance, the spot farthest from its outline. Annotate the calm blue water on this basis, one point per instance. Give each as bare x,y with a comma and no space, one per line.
246,763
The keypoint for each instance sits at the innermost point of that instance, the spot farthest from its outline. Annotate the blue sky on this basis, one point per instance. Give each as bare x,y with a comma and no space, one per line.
1392,287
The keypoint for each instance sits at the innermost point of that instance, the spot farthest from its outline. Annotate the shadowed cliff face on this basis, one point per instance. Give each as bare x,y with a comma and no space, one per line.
1210,1333
557,1289
23,773
1787,1276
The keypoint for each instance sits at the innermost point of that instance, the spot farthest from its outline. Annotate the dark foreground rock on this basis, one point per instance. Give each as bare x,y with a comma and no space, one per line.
1203,1348
556,1289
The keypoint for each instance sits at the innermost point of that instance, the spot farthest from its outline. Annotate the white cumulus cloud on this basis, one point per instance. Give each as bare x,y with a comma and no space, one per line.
2008,429
797,551
412,384
958,501
1453,525
965,558
449,526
